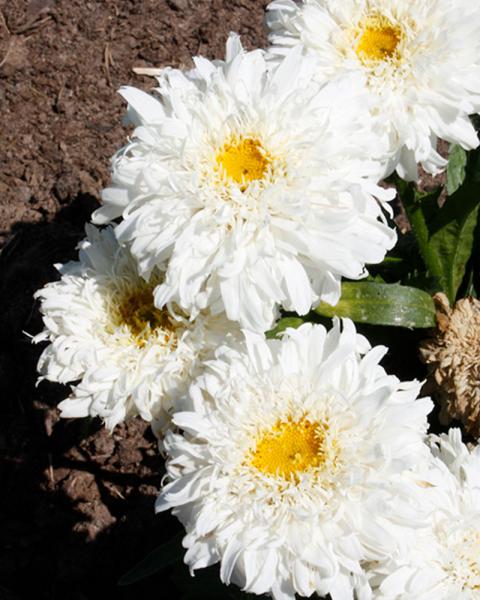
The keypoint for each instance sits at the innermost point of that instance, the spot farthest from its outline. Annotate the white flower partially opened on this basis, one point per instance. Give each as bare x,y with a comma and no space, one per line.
443,561
259,187
289,470
125,356
420,64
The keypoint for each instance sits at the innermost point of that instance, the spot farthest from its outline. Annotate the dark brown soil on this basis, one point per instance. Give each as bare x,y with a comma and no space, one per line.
76,503
61,65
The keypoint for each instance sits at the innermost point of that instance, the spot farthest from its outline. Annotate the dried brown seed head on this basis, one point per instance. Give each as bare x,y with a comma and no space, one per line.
453,353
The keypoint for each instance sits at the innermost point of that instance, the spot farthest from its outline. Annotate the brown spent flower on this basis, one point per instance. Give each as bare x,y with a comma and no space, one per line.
453,353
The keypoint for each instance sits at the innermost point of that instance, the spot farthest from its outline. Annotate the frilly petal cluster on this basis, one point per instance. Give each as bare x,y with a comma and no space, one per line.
255,185
124,356
442,561
420,64
289,468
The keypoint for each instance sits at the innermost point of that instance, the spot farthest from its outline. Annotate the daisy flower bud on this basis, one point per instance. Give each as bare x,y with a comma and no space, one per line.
257,185
453,356
289,468
126,356
419,62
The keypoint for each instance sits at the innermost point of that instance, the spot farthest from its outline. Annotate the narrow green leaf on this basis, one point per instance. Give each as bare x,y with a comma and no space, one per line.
456,169
445,236
392,261
282,325
165,555
452,236
421,209
382,304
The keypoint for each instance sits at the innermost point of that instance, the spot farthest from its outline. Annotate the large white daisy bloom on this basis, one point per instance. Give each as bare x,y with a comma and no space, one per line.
420,63
126,356
257,186
289,468
443,562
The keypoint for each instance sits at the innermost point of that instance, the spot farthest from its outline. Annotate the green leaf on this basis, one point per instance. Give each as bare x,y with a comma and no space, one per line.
456,169
382,304
390,270
445,236
452,236
392,261
421,209
163,556
282,325
423,281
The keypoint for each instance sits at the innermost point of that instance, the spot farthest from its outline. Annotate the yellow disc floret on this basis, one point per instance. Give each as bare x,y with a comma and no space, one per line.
289,448
378,40
135,309
243,160
464,568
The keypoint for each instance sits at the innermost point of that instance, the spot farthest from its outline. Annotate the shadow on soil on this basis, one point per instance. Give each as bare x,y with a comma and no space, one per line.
73,519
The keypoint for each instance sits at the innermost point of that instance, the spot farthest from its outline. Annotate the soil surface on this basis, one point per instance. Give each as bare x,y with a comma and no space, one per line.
76,503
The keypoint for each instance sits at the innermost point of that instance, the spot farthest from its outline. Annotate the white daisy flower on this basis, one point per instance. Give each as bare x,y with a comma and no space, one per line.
257,186
443,562
420,63
288,471
127,356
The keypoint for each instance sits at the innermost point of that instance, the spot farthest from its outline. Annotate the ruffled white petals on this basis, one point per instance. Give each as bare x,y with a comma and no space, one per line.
118,372
441,561
314,532
147,108
310,214
425,89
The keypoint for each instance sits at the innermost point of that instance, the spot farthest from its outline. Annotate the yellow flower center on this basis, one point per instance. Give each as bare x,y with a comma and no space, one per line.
137,311
243,160
465,568
289,448
378,40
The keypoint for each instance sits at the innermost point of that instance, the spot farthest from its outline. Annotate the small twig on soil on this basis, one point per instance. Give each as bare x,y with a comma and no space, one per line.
33,25
9,47
38,93
116,492
107,61
149,71
71,483
51,475
59,95
4,23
